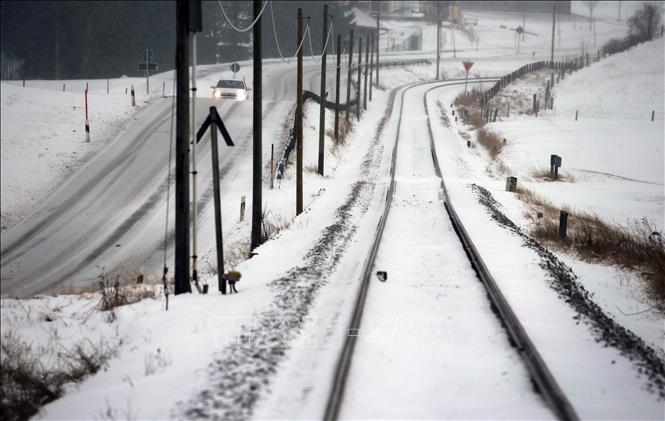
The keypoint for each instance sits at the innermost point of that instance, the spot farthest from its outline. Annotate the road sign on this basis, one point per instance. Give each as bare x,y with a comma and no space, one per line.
467,65
149,66
215,122
519,30
148,55
235,67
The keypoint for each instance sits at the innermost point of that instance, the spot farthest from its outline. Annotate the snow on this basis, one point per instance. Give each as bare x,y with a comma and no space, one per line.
418,338
609,385
163,357
43,140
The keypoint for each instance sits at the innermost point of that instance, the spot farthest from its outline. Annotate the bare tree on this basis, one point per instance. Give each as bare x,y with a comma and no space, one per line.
645,22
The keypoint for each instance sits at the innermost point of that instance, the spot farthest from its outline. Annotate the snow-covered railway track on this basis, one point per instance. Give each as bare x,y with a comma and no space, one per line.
398,348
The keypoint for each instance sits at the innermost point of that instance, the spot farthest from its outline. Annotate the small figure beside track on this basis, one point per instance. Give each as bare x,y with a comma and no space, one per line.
232,277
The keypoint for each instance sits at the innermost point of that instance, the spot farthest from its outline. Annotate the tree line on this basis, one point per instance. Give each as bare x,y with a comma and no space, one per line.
89,39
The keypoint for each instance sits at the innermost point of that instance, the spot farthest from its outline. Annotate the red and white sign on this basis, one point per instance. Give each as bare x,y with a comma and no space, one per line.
467,65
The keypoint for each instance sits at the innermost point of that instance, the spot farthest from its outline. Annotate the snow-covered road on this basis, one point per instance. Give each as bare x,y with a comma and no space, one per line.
109,216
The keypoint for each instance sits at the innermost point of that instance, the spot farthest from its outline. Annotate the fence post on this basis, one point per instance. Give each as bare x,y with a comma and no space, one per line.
511,184
576,112
534,105
563,224
653,115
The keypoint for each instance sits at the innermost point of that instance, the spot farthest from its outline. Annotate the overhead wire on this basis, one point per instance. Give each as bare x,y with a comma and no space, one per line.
311,50
274,31
265,3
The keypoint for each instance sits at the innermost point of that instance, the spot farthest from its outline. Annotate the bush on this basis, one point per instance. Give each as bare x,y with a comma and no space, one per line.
616,45
490,141
644,25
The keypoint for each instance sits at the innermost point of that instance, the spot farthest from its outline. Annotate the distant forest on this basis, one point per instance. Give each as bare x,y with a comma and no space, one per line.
100,39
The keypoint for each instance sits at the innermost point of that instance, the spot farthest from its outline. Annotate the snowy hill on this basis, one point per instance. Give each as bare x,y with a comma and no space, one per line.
628,83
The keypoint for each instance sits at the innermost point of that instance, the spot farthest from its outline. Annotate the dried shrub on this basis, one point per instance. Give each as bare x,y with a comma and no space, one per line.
476,120
490,141
114,295
469,98
27,385
637,246
545,175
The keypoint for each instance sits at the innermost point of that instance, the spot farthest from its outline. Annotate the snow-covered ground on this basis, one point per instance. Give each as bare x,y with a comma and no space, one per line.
191,352
613,157
43,138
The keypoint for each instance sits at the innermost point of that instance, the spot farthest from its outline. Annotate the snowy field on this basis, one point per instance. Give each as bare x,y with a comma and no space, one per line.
614,160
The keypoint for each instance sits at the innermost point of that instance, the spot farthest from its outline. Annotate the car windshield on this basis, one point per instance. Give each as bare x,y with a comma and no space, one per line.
236,84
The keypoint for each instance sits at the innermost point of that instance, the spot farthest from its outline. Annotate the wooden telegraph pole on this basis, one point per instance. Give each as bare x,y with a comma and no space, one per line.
438,39
359,86
378,19
366,71
552,50
337,75
322,107
257,151
182,284
299,132
371,65
348,77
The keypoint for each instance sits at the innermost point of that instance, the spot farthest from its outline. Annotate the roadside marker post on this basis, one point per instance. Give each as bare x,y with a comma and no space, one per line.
563,224
214,121
133,97
87,122
555,163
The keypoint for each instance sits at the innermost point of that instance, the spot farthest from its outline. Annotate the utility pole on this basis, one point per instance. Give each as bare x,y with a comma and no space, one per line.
553,26
337,75
523,20
322,107
378,44
299,132
552,50
182,284
371,64
360,59
257,151
366,71
619,4
348,77
195,277
195,25
438,38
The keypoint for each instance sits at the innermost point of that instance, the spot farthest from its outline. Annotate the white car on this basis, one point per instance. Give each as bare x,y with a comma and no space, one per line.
232,89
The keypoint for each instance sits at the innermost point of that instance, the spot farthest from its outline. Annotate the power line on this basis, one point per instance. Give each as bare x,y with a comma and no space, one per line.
274,29
235,27
311,50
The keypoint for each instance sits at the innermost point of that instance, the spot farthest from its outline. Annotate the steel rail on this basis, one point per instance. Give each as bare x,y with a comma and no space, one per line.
344,361
542,377
540,373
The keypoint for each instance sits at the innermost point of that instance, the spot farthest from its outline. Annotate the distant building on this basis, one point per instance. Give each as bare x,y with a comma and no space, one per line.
427,9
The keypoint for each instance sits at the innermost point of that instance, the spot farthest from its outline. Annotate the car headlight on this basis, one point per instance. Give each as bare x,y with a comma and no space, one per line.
241,96
217,94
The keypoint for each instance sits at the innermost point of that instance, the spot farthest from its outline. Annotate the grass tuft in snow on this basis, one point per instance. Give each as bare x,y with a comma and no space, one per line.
27,384
113,295
637,246
490,141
